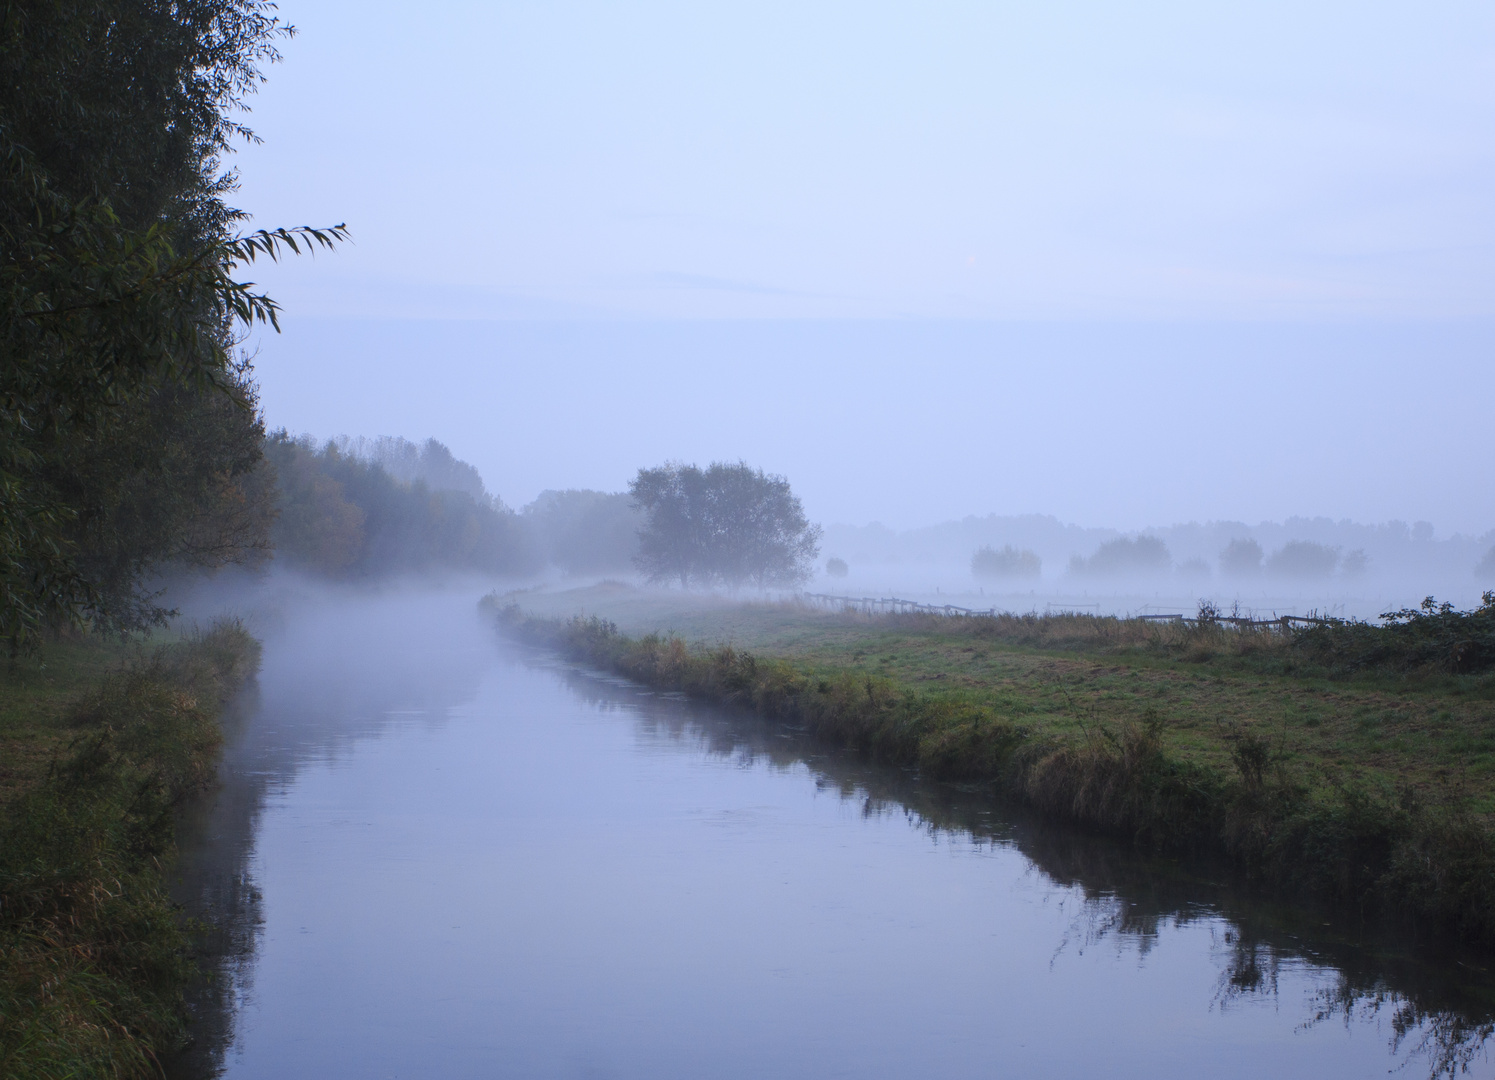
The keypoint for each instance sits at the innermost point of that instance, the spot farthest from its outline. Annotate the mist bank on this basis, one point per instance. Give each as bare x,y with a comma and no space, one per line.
1292,566
362,509
910,422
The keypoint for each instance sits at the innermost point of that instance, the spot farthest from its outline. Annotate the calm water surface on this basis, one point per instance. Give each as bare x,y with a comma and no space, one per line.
434,855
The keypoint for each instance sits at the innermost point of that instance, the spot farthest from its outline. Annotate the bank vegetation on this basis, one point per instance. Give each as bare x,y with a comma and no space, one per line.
1346,763
94,956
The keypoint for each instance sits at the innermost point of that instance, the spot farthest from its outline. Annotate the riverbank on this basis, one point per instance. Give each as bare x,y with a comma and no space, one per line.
101,744
1368,786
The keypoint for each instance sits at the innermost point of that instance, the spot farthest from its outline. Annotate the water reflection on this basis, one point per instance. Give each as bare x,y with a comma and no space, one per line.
422,675
339,667
1439,1006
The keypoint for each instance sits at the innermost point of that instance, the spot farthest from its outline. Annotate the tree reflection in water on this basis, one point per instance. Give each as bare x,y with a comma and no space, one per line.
1439,1006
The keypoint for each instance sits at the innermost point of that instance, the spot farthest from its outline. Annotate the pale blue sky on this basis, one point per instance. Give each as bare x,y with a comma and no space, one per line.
1313,170
1196,159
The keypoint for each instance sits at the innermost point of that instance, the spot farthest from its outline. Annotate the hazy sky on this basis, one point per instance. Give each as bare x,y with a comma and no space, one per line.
1275,217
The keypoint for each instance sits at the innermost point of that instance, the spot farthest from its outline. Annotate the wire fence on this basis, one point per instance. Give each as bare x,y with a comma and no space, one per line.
894,605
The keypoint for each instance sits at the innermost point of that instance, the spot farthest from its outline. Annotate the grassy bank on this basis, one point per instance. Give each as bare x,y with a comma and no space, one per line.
1307,761
102,744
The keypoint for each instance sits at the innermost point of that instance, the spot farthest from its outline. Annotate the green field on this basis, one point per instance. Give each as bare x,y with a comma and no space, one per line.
1432,733
1348,762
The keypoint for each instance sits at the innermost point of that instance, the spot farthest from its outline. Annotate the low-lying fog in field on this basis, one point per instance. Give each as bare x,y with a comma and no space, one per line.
1038,563
368,513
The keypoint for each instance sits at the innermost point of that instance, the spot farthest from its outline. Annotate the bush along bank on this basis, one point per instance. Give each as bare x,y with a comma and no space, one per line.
1379,853
94,957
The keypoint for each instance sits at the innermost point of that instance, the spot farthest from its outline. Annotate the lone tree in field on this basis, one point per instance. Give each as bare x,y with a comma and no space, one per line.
726,524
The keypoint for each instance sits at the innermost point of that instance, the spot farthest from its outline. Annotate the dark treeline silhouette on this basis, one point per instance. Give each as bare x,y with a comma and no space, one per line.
129,435
341,514
1241,560
361,508
429,463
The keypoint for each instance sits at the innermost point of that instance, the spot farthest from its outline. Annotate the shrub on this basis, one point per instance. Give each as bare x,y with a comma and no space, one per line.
1009,562
1124,556
1194,570
1432,637
1241,558
1303,559
836,567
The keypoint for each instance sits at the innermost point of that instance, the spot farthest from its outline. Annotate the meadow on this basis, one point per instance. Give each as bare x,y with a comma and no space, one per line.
1348,763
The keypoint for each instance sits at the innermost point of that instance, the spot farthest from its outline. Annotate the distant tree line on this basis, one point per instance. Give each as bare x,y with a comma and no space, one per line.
357,508
585,532
345,515
360,507
1301,560
1242,559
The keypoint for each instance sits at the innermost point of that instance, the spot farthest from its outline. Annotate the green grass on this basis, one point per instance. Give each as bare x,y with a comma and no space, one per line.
103,744
1365,785
1430,732
37,695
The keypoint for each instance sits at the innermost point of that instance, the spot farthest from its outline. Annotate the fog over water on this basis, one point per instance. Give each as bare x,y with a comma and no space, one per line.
692,339
434,854
1068,308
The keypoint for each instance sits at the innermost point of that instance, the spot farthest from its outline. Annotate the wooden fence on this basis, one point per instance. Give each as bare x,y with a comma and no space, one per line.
893,605
886,605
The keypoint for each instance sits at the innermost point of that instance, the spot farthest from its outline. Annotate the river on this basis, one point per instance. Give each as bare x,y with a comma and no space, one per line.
434,854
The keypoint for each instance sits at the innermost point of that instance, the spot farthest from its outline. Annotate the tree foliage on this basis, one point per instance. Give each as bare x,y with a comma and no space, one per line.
727,524
585,532
1241,558
1431,637
1303,559
1008,563
1124,557
431,462
342,515
128,431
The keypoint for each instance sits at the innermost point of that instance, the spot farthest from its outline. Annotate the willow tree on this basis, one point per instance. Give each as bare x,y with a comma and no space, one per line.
129,430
